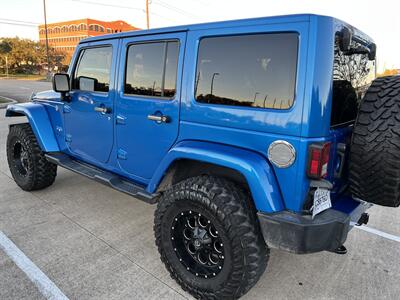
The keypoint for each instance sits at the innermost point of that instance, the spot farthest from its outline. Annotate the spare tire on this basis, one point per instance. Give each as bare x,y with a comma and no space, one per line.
375,148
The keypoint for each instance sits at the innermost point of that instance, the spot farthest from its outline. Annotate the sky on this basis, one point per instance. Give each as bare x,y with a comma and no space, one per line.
378,19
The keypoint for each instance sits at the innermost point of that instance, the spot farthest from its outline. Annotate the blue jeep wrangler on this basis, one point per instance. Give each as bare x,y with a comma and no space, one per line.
249,135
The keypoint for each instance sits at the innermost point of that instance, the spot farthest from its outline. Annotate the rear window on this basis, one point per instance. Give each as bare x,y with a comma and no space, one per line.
256,70
352,76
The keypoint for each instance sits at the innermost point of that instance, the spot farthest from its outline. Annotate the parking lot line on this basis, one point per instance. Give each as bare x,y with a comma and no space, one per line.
378,232
46,287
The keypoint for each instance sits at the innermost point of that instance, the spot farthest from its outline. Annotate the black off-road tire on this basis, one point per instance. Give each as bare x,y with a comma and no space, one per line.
230,209
375,149
37,172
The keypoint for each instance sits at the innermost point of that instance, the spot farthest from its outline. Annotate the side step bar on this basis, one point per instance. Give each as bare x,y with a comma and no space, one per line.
104,177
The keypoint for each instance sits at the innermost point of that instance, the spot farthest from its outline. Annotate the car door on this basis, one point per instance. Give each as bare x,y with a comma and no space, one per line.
148,100
89,115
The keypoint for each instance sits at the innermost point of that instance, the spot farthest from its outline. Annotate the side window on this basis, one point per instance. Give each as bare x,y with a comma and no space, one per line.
93,70
352,76
151,69
256,70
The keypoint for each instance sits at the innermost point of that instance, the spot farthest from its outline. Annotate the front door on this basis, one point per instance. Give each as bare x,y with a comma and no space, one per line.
89,115
148,101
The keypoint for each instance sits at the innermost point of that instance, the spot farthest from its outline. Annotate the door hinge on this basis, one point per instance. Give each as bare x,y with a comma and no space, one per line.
68,138
67,109
121,120
122,154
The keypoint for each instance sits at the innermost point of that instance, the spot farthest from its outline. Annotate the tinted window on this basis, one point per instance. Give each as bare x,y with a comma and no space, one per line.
151,69
249,70
352,75
93,70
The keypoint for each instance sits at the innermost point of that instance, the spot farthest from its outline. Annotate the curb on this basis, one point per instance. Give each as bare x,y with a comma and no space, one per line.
11,101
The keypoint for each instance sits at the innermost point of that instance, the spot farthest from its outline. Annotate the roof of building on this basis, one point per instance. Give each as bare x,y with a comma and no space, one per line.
86,20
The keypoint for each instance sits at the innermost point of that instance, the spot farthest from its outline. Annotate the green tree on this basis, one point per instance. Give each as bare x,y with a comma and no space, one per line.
28,56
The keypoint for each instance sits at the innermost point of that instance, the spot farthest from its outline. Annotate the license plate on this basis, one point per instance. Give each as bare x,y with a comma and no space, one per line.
322,201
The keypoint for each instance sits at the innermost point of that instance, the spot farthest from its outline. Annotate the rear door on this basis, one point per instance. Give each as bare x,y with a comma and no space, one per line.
148,100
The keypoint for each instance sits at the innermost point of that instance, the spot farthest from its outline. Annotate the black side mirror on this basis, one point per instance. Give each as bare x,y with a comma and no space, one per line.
87,83
372,51
346,37
61,85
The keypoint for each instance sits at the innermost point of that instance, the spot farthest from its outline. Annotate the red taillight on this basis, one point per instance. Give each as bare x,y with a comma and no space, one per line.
318,160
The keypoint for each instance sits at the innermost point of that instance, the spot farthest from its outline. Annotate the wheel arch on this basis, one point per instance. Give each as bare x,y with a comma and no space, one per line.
39,121
249,169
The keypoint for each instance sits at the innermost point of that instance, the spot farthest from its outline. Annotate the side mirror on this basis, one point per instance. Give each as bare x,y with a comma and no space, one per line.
61,85
372,51
87,83
345,39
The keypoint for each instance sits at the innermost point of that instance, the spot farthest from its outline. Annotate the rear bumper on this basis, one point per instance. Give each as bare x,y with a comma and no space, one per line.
301,234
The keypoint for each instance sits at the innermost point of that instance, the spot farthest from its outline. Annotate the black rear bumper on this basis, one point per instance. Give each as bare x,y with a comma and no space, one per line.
301,234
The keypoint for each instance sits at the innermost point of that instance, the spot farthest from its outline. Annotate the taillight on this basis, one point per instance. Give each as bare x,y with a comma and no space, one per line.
318,160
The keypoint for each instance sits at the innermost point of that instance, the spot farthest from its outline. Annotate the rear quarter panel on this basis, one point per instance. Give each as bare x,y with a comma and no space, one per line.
246,127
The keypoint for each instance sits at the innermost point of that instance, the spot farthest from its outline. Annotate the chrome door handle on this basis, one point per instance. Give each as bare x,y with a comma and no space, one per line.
102,109
159,119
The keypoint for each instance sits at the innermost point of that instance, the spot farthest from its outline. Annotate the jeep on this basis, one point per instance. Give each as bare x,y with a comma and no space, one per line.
248,134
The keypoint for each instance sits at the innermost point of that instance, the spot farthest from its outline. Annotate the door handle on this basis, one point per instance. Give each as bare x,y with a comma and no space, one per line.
102,109
159,119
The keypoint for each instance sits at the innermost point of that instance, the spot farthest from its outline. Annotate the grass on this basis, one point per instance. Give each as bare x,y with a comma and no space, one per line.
23,76
4,100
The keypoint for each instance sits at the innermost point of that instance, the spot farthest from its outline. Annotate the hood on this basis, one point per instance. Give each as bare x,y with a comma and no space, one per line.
47,95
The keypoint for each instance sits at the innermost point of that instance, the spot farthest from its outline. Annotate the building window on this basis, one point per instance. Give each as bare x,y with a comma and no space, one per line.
109,30
152,69
93,70
256,70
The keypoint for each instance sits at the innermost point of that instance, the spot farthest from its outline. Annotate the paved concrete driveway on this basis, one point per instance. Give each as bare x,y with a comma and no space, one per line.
96,243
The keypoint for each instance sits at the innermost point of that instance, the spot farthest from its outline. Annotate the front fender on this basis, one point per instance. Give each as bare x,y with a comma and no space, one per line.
39,121
257,171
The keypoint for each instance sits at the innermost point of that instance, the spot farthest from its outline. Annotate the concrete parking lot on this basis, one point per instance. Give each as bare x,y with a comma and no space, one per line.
95,243
21,90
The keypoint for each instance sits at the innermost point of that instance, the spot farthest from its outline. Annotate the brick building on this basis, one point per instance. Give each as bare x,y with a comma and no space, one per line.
64,36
